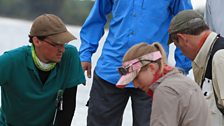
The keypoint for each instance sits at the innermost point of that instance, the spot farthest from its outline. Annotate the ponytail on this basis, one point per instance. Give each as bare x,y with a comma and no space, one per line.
163,61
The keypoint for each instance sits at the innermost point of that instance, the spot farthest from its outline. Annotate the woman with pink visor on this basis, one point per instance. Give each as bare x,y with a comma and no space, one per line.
177,100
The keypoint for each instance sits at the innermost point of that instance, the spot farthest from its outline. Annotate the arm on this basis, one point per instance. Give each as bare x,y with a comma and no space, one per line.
92,31
181,61
217,73
5,67
164,108
74,76
208,16
64,118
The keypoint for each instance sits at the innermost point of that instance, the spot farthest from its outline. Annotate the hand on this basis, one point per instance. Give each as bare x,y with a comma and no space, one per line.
87,66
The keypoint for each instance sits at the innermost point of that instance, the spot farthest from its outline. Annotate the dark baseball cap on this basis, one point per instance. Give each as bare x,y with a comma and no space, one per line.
185,20
52,27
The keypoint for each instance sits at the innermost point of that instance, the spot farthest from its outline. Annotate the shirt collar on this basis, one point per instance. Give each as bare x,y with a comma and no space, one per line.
173,72
202,56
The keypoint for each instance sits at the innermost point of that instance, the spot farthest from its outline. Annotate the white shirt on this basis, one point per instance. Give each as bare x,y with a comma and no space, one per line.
214,15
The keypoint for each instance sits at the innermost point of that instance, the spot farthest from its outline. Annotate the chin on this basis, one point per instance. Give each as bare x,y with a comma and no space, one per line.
56,61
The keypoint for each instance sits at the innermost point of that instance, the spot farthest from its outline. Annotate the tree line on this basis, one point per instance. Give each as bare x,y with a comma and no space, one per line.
71,11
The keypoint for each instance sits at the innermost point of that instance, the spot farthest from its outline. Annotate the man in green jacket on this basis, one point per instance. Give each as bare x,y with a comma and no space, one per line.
39,81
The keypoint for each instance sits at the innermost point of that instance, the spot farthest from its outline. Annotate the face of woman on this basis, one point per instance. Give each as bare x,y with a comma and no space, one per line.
144,79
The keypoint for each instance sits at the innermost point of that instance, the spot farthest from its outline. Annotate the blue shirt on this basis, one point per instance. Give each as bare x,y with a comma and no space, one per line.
133,21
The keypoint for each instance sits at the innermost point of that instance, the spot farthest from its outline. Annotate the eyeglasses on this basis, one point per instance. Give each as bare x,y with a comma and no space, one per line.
138,63
133,66
58,46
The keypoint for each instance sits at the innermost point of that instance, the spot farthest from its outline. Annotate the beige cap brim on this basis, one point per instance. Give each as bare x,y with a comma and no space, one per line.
126,79
62,38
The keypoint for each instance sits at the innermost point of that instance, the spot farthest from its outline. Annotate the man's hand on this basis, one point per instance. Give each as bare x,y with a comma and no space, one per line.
87,66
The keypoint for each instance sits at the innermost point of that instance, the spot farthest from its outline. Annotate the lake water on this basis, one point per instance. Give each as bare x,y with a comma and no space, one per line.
14,33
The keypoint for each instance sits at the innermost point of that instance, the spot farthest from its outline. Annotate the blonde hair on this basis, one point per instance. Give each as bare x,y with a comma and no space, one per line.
143,48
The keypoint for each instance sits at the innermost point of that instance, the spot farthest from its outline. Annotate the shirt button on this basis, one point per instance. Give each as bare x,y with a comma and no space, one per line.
134,14
132,33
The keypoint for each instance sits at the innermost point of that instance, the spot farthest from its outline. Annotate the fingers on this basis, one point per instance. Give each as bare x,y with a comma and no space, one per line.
86,66
89,71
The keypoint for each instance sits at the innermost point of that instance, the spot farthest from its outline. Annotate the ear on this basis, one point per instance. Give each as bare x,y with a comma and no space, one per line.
154,67
151,66
181,37
36,41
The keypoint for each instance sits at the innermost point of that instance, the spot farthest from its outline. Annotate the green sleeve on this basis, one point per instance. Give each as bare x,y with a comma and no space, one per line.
5,67
75,74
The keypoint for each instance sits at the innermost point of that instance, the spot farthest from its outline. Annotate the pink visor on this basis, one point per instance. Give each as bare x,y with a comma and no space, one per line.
130,69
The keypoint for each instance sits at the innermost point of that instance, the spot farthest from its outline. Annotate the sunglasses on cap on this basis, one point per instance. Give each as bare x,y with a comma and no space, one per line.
138,63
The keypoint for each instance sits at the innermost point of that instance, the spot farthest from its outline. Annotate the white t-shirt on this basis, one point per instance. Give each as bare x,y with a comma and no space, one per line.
214,15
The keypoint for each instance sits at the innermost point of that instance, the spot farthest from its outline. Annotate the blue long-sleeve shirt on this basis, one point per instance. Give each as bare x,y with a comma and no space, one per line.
133,21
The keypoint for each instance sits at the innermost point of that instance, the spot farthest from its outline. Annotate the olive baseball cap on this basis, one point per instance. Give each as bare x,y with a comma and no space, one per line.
52,27
185,20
